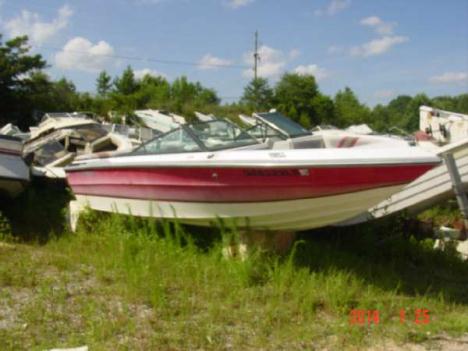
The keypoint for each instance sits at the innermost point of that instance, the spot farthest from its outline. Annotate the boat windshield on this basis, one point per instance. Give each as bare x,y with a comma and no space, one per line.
263,131
285,124
219,135
202,136
175,141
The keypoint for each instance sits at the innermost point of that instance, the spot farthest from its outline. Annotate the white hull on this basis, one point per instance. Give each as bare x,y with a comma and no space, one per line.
431,188
274,215
159,121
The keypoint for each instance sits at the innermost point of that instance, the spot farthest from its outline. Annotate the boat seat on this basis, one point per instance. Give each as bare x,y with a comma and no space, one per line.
308,143
266,145
283,145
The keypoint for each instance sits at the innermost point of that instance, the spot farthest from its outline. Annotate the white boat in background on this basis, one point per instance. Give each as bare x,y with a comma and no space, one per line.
60,120
159,120
247,120
60,137
14,173
441,132
205,118
444,127
203,172
12,130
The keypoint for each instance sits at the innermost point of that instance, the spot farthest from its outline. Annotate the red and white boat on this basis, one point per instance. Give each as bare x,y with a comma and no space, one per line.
14,173
204,172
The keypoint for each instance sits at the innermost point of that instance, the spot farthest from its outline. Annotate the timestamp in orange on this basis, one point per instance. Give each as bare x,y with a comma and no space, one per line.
360,317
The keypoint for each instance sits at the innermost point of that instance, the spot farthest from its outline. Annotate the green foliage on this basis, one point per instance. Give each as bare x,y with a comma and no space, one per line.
127,283
258,96
126,84
103,83
38,212
349,110
26,92
295,95
16,82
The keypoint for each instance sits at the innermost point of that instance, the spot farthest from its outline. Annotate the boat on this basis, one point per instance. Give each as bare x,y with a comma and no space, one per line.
212,171
14,173
203,117
443,127
61,120
286,133
443,133
62,136
159,120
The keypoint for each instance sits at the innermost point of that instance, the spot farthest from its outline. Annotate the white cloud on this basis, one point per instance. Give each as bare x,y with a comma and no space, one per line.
450,77
294,54
384,94
272,62
30,23
81,54
333,7
140,73
314,70
239,3
212,62
381,27
335,49
377,46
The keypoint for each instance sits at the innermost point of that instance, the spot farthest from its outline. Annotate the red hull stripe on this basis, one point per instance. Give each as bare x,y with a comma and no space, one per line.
10,152
238,184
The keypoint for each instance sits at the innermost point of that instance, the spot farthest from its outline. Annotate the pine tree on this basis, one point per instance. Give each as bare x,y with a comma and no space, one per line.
258,95
103,83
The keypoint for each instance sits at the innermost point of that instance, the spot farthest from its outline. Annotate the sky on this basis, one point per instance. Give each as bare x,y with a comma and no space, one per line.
379,48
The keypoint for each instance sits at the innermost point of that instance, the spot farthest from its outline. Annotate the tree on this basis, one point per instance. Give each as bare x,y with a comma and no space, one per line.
187,96
349,110
324,109
258,96
103,83
462,103
16,68
126,84
412,113
153,92
294,96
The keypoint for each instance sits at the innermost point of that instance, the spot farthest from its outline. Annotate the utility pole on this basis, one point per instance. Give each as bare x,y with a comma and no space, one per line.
256,55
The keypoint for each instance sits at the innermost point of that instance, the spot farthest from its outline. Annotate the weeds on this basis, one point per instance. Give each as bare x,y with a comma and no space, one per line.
129,283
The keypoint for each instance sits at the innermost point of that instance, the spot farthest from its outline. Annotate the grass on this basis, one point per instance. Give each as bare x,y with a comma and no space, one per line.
122,283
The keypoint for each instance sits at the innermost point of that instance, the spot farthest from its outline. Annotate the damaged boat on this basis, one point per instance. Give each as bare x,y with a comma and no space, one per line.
445,134
60,137
14,173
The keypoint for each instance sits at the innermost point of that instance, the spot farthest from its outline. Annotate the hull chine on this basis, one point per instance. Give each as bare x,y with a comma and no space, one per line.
293,215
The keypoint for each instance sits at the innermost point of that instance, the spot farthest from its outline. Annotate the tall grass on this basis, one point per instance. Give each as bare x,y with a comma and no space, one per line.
268,299
153,285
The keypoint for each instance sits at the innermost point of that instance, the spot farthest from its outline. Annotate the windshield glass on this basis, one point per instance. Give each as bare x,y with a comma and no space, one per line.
263,131
203,136
287,125
175,141
218,135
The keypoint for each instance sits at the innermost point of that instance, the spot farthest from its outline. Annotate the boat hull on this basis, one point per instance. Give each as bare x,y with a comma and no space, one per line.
293,215
286,190
14,173
232,185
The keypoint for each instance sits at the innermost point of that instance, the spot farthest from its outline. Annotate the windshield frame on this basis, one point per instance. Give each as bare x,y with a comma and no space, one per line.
264,115
188,129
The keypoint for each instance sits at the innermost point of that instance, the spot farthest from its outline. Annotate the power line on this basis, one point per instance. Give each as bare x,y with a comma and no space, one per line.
148,59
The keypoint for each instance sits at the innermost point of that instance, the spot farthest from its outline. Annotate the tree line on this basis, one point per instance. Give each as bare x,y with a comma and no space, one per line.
26,92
